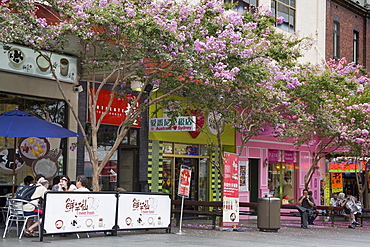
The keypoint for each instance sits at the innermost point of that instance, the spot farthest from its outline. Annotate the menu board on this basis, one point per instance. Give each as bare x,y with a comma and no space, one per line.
136,211
79,212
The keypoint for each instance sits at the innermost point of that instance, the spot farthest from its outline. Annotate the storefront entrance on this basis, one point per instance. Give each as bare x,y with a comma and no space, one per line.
199,178
253,182
128,169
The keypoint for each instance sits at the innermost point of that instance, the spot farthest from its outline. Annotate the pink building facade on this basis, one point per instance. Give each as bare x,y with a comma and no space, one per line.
269,167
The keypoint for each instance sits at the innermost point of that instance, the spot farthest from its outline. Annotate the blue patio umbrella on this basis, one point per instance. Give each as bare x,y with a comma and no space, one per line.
21,124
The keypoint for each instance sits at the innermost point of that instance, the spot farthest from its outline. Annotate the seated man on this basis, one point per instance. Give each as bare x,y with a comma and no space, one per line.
26,181
30,209
81,183
305,205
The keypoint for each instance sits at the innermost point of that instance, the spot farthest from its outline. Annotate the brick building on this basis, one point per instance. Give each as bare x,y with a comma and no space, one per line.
347,29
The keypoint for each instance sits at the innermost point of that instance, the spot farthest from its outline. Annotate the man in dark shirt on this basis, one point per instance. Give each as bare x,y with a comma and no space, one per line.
305,205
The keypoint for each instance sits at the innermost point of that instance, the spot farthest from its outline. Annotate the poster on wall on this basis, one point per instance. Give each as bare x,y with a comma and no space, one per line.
243,172
184,182
231,191
136,211
78,212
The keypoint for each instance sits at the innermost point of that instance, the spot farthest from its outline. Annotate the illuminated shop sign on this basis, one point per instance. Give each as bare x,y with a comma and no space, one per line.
347,166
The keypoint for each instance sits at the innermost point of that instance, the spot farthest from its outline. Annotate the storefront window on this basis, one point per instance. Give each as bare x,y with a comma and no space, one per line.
112,170
168,148
281,175
48,109
167,176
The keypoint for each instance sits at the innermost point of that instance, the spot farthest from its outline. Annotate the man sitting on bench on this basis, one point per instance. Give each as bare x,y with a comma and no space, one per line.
305,205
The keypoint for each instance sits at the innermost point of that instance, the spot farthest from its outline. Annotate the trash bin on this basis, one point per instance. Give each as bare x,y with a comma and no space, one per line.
268,214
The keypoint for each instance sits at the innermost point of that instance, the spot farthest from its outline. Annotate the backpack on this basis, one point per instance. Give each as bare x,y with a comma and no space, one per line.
26,192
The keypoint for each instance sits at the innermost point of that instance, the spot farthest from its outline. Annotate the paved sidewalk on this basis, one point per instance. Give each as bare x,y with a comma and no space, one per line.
197,234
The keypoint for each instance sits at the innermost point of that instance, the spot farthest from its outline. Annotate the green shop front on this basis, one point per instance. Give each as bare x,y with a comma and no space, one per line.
171,147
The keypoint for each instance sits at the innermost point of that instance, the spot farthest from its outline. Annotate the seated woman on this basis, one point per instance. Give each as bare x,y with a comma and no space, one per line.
30,209
347,209
65,184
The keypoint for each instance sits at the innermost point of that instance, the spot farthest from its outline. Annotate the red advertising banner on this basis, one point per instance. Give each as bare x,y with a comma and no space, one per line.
231,191
231,175
118,110
184,181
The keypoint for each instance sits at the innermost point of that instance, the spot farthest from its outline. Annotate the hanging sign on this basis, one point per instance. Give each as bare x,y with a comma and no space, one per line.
336,182
186,123
289,156
231,191
274,156
184,181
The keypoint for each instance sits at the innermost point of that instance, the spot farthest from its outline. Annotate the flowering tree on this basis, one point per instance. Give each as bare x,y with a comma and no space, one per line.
118,43
165,44
245,61
330,111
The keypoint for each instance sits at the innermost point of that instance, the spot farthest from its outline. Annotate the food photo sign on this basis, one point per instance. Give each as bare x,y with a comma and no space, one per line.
22,60
67,212
144,211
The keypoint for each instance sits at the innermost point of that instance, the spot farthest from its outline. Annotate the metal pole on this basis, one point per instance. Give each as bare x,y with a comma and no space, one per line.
182,209
14,164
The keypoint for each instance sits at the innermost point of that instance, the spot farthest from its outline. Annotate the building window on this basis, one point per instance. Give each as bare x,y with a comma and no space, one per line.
336,40
355,46
285,9
243,5
52,110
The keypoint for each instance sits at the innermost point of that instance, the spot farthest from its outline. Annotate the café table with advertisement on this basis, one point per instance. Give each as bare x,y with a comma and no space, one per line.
109,212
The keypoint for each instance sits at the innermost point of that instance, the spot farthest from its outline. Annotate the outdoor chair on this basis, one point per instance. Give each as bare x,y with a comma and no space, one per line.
4,209
16,214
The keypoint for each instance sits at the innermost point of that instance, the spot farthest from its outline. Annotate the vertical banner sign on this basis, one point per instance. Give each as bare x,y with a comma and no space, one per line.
336,182
231,191
184,181
327,189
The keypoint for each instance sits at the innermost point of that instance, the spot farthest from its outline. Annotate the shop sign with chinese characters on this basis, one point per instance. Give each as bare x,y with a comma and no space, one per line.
78,212
347,166
336,182
179,124
231,191
144,211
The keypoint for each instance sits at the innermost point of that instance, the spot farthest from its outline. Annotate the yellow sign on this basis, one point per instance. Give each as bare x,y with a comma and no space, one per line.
327,189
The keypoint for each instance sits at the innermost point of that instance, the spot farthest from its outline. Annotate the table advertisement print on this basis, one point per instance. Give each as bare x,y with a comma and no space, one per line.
79,212
144,211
